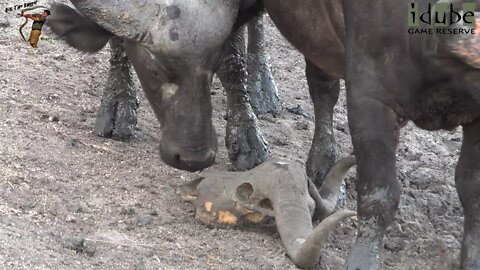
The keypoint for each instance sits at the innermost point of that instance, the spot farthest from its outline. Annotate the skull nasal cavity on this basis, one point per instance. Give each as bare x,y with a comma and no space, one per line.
266,204
244,191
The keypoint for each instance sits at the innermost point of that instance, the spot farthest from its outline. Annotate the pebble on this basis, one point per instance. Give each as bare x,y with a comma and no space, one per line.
4,23
72,142
80,245
144,220
53,118
298,111
341,126
280,141
59,57
268,117
302,125
71,219
127,211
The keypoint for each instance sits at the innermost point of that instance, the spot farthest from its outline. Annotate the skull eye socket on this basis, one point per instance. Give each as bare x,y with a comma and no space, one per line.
244,191
266,204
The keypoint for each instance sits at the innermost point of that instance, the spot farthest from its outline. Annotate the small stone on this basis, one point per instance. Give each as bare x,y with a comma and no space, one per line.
280,142
341,126
72,142
71,219
52,96
456,139
298,111
302,125
80,245
59,57
4,23
127,211
14,180
92,60
79,209
394,246
169,239
268,117
144,220
153,213
53,118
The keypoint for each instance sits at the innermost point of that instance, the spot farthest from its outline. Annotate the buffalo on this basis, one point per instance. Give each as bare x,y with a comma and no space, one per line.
117,117
176,69
391,77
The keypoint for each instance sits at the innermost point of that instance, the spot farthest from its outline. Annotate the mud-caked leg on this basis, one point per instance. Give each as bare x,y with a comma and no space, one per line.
260,84
324,91
117,115
246,145
467,179
374,129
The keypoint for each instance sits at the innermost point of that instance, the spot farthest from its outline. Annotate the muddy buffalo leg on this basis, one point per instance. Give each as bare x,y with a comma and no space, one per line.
117,115
260,84
467,178
324,93
245,144
374,128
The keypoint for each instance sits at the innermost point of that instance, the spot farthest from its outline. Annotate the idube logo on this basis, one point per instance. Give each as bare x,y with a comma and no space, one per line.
439,17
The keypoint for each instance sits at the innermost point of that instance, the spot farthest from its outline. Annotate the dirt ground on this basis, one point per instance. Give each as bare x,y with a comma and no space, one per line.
72,200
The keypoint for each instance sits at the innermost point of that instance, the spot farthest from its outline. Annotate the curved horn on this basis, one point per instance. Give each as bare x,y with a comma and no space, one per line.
302,242
326,198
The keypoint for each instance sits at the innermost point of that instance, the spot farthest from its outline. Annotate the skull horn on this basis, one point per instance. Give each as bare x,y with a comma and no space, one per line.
326,198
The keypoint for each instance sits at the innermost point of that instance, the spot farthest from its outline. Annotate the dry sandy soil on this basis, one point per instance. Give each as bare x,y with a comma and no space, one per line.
72,200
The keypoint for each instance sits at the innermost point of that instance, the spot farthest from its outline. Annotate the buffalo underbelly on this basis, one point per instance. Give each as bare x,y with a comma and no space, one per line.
444,107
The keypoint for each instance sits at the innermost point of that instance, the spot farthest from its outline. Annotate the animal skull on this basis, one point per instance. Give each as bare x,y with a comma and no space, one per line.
279,189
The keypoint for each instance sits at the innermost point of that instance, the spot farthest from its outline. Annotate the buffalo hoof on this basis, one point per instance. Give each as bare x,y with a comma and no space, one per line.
365,254
320,160
319,163
364,257
246,146
117,119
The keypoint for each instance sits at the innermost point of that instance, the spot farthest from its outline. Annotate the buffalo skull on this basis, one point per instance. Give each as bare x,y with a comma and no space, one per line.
279,189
